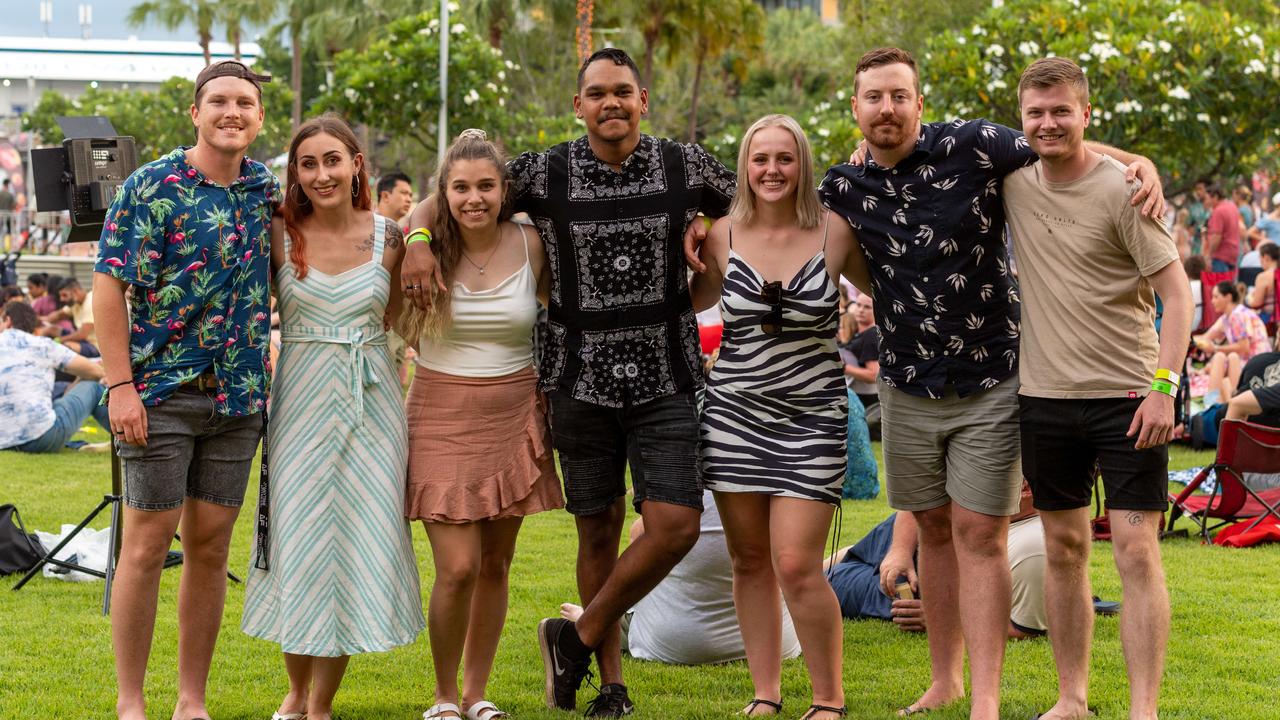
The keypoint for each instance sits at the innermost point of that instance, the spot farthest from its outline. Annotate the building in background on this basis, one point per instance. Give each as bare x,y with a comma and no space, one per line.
828,10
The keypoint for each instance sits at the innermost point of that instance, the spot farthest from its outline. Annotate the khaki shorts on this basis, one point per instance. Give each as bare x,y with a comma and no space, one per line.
963,450
1026,565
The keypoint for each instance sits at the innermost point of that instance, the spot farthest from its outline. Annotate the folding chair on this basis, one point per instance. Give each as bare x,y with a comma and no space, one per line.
1208,281
1242,447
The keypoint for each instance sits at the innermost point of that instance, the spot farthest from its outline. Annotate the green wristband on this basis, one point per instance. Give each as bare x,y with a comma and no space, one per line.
421,235
1164,386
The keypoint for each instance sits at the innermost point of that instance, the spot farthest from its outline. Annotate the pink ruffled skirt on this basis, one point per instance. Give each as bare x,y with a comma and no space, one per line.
479,448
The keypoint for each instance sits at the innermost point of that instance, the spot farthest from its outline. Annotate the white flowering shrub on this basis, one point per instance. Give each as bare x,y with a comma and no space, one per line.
394,84
1190,85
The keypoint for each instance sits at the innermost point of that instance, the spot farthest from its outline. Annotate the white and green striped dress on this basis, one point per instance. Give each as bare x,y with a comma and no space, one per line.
343,578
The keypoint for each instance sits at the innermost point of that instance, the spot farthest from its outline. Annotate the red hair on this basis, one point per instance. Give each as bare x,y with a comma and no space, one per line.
295,209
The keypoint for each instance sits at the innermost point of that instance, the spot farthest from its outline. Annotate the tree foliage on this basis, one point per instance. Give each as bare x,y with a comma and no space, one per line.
392,85
157,121
1191,85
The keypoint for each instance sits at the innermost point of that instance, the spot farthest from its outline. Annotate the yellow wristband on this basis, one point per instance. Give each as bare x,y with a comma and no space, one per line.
421,235
1168,375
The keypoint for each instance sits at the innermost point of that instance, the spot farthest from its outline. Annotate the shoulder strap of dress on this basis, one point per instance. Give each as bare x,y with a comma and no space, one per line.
524,238
379,236
826,226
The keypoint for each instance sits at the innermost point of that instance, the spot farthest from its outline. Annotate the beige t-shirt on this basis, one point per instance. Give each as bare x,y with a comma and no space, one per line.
83,313
1083,254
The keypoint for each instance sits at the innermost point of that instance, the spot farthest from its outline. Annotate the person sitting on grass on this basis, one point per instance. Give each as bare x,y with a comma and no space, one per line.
30,419
1237,335
77,307
865,576
689,619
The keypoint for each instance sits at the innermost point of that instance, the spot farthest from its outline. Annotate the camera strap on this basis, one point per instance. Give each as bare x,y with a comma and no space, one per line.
264,504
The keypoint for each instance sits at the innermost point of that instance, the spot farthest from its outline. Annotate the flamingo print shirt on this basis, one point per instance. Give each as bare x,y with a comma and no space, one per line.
933,231
198,256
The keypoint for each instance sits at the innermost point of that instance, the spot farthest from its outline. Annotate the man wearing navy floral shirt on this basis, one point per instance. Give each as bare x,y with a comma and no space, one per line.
927,210
187,368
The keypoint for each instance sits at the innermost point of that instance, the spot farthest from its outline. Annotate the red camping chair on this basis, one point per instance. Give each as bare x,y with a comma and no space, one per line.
1242,447
1208,281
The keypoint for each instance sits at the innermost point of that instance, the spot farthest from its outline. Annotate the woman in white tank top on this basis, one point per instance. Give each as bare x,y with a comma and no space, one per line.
479,445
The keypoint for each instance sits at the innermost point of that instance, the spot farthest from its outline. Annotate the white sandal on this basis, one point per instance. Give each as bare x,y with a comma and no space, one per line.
437,712
485,710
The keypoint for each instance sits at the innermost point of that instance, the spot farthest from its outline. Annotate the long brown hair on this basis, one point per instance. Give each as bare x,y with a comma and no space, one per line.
446,236
296,205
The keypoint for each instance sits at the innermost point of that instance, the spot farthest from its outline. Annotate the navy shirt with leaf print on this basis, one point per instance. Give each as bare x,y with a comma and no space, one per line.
932,228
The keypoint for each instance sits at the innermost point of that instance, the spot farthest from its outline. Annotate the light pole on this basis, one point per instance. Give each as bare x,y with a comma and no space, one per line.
442,139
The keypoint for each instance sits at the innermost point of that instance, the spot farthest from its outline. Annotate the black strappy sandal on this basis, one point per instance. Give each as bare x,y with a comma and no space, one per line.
842,711
750,709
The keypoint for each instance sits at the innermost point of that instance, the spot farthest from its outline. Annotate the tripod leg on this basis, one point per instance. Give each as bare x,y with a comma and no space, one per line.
113,549
113,555
106,500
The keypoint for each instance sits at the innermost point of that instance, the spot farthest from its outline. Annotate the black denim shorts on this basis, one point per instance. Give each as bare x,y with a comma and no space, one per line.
1062,442
659,438
191,451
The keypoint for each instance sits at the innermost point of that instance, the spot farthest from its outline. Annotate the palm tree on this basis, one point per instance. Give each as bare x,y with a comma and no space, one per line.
173,14
716,26
235,14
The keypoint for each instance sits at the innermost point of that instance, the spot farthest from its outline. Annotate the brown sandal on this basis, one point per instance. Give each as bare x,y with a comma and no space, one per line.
750,709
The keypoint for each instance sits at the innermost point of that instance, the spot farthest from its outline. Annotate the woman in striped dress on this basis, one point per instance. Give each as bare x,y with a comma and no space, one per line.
338,576
773,431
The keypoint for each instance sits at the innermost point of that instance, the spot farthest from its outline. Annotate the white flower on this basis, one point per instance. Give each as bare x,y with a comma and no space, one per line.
1255,66
502,74
502,102
978,30
728,139
924,89
995,49
1104,51
471,97
824,132
1164,46
454,7
458,29
1165,108
813,119
427,30
434,23
492,88
1179,93
1224,120
996,84
1086,57
997,3
1106,115
960,40
1146,46
350,94
1029,47
1204,118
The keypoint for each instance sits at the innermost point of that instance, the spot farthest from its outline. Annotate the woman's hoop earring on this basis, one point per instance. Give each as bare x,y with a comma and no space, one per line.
302,197
355,187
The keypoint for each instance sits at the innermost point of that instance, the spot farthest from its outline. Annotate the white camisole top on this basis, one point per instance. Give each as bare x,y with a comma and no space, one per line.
492,330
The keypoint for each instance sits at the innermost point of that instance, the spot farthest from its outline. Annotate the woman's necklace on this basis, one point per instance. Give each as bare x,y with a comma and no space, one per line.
492,252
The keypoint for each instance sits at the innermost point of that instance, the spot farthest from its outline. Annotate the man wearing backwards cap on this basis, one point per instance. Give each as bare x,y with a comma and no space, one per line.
187,368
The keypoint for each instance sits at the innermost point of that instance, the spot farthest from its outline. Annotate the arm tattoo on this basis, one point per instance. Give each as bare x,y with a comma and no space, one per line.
394,236
366,244
1134,518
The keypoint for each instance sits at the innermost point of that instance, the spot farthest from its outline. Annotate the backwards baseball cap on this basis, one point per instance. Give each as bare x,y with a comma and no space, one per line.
230,68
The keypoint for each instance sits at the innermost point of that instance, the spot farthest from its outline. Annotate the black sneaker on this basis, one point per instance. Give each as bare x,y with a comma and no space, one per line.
563,675
611,702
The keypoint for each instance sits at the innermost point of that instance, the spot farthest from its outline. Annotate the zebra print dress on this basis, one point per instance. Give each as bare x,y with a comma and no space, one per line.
776,407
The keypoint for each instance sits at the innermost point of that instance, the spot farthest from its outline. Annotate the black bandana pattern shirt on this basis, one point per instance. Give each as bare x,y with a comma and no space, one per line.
933,230
621,327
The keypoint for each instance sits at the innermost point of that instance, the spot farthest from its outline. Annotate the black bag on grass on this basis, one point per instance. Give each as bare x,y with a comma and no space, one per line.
19,552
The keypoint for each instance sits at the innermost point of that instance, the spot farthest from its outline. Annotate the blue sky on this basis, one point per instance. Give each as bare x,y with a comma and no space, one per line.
22,18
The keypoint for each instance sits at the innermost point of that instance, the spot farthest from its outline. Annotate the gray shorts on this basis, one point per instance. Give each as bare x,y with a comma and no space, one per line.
192,452
966,450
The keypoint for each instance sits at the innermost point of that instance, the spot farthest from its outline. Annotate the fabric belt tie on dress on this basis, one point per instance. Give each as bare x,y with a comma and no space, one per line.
356,338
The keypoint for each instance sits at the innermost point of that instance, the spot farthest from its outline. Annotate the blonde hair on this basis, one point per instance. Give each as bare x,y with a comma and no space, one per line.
808,209
446,237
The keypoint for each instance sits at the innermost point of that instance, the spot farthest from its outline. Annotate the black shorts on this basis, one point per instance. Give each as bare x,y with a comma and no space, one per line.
1062,440
659,438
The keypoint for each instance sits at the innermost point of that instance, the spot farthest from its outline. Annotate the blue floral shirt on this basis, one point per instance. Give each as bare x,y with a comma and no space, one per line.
27,363
198,256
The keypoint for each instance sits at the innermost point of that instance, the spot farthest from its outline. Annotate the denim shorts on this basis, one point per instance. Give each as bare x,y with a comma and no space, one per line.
191,451
658,438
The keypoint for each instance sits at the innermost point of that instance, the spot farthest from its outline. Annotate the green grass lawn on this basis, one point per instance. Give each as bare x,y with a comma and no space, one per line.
55,650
